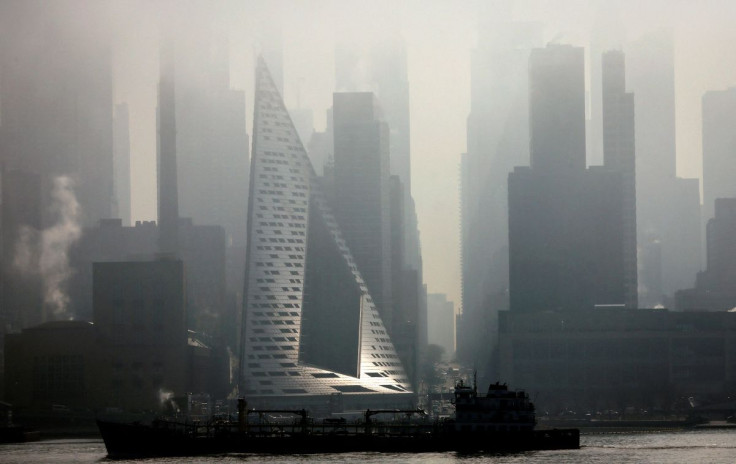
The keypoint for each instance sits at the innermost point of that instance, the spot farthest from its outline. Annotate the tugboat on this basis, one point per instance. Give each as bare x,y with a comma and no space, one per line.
500,410
501,420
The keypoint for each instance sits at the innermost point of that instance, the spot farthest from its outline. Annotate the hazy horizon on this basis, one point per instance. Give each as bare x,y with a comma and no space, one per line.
439,38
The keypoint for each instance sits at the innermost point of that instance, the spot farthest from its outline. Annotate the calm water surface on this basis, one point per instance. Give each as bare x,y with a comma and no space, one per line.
717,446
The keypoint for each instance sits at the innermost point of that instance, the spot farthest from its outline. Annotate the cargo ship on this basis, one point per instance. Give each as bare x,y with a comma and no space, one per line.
498,421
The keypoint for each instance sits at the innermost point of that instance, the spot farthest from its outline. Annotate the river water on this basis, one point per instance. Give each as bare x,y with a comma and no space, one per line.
705,446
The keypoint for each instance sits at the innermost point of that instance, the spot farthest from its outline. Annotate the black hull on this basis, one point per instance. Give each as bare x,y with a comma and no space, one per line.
131,440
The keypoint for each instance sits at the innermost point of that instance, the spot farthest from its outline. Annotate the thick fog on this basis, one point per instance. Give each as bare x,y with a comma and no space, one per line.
439,37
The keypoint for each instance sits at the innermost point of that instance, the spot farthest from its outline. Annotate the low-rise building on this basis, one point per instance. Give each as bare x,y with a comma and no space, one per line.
137,352
612,358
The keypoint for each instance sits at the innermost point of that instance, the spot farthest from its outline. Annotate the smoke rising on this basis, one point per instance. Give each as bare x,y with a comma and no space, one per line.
45,253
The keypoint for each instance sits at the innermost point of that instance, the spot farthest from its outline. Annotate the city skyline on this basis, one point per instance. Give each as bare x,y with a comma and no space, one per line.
438,78
438,74
329,195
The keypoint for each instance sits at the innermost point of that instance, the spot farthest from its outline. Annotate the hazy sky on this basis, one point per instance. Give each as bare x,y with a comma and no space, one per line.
439,36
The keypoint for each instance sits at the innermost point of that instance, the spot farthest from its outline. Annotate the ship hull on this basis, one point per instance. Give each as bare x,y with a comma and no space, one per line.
134,440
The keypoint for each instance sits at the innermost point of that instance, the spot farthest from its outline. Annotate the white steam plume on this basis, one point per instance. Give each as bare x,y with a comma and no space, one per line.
46,253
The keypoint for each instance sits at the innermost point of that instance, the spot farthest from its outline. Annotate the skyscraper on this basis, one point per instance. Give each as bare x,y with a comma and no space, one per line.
168,192
441,323
56,147
362,191
498,140
607,33
212,143
719,148
619,155
650,73
310,327
566,223
381,69
557,108
714,287
668,207
121,163
179,236
56,99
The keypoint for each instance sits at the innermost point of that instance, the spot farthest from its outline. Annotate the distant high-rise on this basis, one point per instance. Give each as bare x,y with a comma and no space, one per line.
441,323
56,147
668,207
557,108
168,192
498,140
320,149
567,240
722,247
310,331
57,103
211,141
607,33
715,288
121,155
304,122
719,148
382,69
362,190
650,73
619,155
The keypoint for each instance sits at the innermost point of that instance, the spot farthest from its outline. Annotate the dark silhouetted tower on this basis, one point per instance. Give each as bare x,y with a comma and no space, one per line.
566,222
619,155
362,190
381,69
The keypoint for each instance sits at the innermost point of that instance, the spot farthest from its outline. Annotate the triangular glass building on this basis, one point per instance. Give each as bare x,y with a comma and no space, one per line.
311,333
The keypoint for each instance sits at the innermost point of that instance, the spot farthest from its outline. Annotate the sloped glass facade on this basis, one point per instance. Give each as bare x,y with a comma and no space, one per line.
310,328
